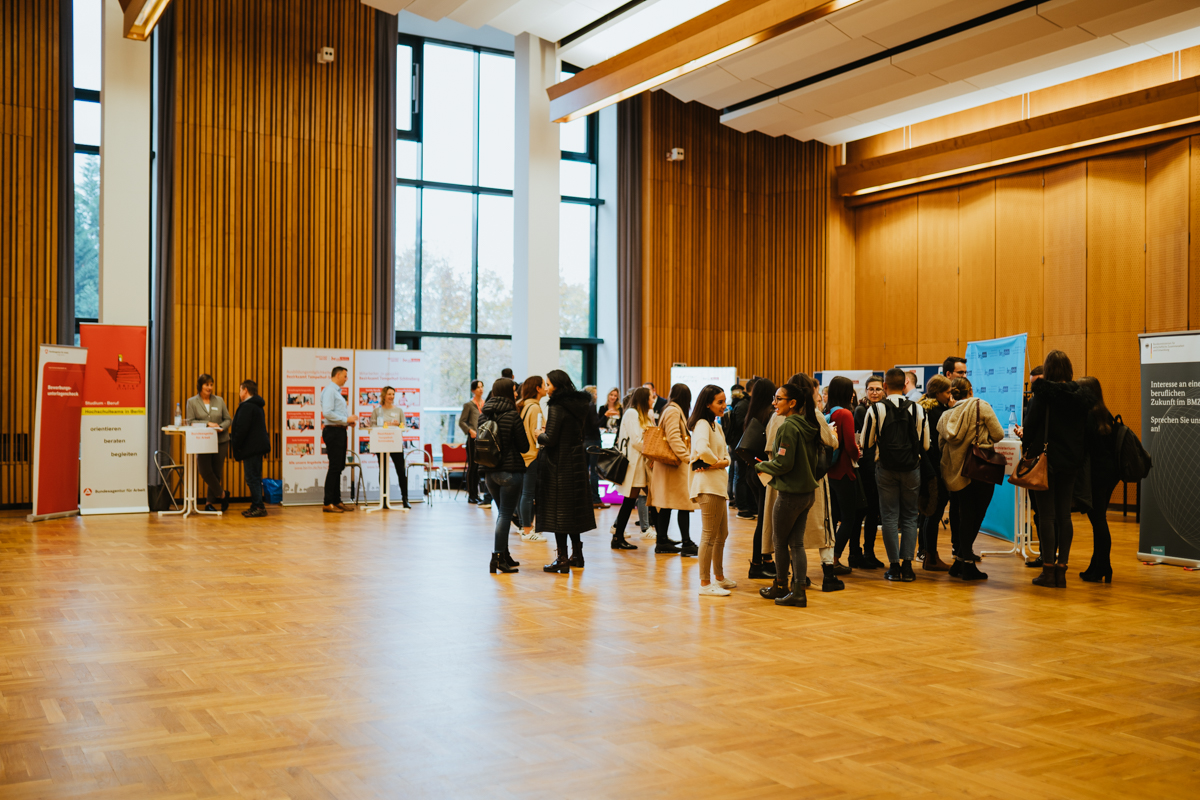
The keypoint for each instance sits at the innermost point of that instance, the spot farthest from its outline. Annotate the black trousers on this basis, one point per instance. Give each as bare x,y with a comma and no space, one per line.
252,466
211,467
472,472
758,498
593,475
401,473
1054,507
334,437
1102,489
870,528
968,507
844,493
933,523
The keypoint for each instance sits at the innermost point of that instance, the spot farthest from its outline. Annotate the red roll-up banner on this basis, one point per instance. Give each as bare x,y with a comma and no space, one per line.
56,431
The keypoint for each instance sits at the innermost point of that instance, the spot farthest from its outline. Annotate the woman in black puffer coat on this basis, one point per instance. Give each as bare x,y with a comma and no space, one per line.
564,502
1057,422
504,482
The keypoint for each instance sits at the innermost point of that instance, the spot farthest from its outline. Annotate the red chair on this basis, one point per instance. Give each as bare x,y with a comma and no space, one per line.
454,459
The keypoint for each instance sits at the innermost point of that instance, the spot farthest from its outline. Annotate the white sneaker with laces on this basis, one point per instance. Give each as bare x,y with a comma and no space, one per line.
649,534
714,590
725,583
536,537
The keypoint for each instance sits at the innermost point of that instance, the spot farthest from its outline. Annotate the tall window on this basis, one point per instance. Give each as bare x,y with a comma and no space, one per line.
87,35
454,223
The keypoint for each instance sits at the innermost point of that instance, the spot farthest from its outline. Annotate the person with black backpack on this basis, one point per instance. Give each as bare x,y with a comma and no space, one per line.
500,443
896,429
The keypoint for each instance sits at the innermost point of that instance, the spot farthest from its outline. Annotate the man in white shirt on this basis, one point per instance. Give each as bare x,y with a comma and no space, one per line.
896,428
336,418
910,386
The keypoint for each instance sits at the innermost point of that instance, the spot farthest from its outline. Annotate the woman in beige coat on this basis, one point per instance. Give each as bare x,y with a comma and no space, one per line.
670,486
971,421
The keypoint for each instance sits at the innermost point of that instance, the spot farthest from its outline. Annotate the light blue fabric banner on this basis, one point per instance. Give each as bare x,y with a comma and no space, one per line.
996,368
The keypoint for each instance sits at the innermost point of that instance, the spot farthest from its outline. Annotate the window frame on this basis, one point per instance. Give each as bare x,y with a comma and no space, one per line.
418,96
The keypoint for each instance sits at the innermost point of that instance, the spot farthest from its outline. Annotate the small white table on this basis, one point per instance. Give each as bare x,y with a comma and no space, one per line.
196,440
384,442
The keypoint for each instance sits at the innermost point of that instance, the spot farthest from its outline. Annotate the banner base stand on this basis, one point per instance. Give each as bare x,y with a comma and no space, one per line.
87,512
1171,560
56,515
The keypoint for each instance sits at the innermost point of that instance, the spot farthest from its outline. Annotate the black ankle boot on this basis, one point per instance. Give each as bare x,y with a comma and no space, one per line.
757,573
500,564
576,560
796,597
620,543
855,560
768,566
970,572
508,559
773,592
831,583
688,548
562,564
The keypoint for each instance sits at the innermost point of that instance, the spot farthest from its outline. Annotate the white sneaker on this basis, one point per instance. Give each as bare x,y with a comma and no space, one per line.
725,583
536,537
714,590
525,537
649,534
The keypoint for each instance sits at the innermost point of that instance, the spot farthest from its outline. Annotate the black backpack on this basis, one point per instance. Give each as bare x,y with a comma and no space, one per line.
896,440
488,452
1133,462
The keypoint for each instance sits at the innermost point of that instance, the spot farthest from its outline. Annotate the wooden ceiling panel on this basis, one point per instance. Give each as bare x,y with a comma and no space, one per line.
969,46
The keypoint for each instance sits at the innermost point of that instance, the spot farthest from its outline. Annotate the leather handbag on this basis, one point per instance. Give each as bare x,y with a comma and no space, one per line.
754,442
980,464
655,447
611,464
1033,472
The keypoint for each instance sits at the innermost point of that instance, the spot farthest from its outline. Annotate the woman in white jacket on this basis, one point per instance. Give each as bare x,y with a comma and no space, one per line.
634,422
710,458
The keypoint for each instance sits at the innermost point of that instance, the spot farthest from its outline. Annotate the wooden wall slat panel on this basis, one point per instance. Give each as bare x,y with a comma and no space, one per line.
1019,239
937,272
900,282
1167,236
977,256
871,260
273,197
1065,233
1117,243
1194,233
736,228
29,173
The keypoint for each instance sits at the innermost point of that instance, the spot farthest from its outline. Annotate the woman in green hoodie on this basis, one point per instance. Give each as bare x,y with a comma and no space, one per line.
791,473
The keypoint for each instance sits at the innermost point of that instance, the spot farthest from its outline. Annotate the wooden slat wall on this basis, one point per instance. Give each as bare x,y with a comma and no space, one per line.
29,30
1083,257
273,202
734,246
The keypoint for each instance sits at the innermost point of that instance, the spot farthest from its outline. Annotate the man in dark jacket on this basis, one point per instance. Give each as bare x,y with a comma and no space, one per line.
249,441
742,491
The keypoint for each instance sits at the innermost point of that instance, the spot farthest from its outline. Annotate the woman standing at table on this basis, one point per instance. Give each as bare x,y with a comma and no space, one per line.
388,415
208,408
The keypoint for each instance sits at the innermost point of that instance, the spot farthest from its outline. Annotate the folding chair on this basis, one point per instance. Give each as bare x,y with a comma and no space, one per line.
432,472
358,486
454,459
170,473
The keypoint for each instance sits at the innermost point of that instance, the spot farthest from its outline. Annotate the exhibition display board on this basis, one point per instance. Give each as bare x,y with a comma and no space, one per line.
305,373
996,369
56,429
1170,494
113,443
696,378
857,376
924,372
373,370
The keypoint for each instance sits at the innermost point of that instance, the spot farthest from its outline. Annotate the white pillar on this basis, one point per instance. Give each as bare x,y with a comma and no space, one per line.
608,355
124,175
535,213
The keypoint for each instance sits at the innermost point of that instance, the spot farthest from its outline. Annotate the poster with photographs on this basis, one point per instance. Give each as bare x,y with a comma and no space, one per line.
306,371
379,376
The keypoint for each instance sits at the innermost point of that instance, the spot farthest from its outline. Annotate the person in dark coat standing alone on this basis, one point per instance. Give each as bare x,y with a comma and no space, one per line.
249,441
564,501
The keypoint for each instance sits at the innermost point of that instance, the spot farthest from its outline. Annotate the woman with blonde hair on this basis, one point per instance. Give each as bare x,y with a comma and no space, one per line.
670,486
629,441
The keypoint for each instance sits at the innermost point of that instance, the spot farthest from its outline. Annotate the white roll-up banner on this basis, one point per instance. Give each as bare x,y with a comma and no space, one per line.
402,370
306,371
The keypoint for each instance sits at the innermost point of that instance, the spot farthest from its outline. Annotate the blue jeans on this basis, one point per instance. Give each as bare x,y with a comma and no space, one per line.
898,493
505,488
528,492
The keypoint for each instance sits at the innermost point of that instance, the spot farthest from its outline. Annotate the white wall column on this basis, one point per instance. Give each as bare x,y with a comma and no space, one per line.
124,176
535,214
608,355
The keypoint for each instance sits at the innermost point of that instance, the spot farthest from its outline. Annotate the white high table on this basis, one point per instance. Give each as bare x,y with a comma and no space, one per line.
384,442
196,440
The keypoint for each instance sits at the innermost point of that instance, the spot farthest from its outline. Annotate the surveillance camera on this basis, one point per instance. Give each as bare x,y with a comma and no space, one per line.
675,154
325,55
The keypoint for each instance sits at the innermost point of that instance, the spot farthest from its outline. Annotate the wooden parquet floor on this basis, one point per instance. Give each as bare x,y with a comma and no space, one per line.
372,656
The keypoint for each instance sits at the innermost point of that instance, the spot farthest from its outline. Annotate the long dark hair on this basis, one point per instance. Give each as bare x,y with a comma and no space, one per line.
760,400
803,395
702,411
841,392
681,395
808,387
530,386
561,380
504,389
1058,367
1099,412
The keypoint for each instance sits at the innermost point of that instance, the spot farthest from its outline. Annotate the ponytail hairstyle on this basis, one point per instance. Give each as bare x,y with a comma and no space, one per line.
936,385
1058,367
960,388
809,385
805,405
681,396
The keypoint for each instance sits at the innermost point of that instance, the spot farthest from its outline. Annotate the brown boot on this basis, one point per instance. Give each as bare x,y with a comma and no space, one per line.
934,564
1060,576
1047,576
